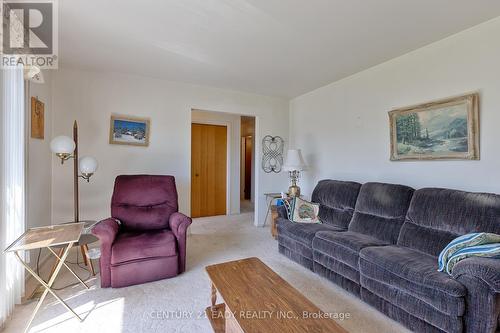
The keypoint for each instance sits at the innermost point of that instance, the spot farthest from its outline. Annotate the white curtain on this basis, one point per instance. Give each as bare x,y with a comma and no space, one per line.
12,185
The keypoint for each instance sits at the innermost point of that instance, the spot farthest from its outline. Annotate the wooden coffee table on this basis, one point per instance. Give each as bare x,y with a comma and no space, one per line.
256,299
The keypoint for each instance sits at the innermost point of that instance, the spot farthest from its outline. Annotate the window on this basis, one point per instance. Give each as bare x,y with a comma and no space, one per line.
12,186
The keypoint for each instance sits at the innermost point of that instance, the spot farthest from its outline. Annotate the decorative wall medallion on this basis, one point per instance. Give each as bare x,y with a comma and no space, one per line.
272,149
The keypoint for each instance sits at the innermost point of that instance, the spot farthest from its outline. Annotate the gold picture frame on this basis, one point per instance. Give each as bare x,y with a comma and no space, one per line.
446,129
127,130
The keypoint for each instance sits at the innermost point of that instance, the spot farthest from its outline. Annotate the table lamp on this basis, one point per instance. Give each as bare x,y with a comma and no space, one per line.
294,163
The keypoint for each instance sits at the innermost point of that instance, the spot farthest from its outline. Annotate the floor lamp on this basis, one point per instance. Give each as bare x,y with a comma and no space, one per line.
65,148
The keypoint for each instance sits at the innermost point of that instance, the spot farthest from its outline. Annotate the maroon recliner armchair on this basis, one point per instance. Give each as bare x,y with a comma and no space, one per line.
145,239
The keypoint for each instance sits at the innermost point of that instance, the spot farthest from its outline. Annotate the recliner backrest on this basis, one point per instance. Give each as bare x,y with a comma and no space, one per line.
337,200
380,210
144,202
437,216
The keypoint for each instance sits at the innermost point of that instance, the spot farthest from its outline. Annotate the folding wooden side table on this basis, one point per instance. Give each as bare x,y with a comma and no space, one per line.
270,197
45,237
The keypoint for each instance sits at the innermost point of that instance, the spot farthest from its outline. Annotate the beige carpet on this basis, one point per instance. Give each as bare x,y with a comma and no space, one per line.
176,305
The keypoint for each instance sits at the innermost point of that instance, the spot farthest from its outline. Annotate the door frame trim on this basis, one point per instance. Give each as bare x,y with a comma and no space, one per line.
228,156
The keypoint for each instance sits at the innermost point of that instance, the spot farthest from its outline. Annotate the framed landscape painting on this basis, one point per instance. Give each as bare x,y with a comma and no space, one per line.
129,131
445,129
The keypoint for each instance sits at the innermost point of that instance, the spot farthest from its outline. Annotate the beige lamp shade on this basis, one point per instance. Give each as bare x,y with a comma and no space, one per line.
294,161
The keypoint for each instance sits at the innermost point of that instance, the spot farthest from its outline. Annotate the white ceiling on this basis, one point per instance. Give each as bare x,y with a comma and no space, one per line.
273,47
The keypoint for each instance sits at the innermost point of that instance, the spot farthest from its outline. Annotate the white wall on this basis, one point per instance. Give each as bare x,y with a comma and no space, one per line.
39,171
233,122
91,97
343,128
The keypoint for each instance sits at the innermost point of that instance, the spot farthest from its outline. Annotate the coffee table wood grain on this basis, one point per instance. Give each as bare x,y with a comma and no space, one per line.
256,299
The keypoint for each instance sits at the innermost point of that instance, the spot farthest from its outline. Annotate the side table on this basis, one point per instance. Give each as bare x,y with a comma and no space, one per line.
274,220
270,198
65,235
85,239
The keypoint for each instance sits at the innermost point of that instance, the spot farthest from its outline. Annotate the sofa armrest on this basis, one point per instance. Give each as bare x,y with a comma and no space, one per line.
484,269
178,224
106,231
481,277
282,212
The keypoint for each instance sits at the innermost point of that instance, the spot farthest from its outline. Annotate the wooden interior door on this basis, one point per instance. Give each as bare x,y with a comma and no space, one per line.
208,170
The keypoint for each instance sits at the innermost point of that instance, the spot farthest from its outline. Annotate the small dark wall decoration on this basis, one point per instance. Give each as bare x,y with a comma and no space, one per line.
272,149
37,118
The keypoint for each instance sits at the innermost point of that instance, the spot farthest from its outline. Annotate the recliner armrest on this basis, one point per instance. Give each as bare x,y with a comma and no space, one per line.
106,231
179,223
485,269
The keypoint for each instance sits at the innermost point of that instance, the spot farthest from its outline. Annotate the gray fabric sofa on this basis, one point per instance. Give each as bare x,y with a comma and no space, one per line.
386,253
337,200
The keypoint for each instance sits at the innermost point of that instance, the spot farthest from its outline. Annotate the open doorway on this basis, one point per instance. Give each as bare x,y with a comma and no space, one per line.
247,165
222,163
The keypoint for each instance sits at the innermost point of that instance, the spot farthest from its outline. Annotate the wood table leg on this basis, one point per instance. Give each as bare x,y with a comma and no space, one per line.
84,255
213,295
88,261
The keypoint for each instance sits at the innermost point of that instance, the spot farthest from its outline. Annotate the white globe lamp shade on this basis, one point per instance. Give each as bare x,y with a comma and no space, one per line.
62,145
294,161
88,165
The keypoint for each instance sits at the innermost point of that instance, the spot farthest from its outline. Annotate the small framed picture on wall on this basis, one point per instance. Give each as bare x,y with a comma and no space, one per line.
37,118
126,130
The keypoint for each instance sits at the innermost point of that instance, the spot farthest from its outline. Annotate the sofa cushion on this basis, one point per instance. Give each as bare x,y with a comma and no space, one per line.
344,246
413,305
437,216
296,255
380,210
302,232
130,246
444,324
296,247
416,274
336,266
337,200
331,274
